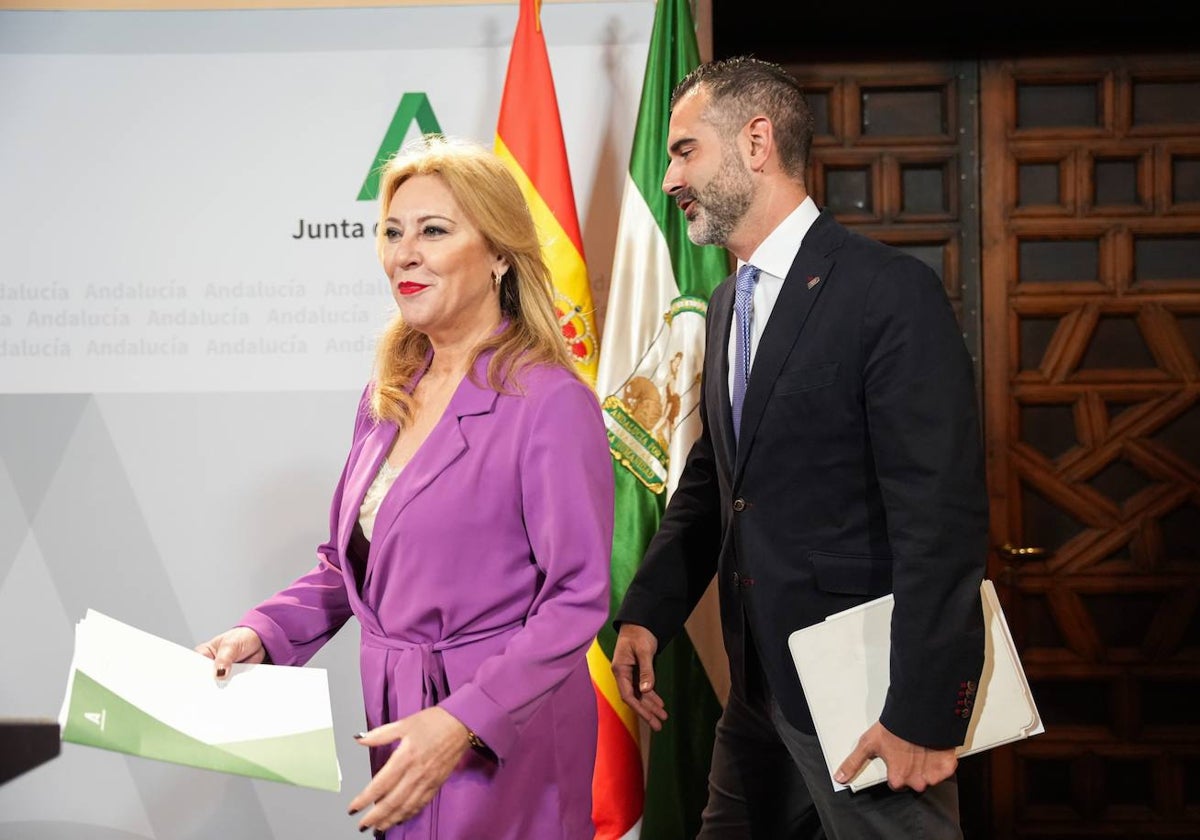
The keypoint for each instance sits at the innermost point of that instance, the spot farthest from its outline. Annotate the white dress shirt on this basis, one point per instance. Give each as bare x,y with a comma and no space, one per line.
773,257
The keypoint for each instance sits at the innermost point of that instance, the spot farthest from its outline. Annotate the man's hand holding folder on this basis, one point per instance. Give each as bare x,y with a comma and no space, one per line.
847,656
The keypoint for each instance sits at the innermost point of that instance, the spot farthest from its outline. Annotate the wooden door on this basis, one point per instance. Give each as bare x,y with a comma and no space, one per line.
1059,200
1091,302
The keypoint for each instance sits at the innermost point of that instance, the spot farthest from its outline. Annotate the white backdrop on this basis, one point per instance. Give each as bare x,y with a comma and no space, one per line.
178,371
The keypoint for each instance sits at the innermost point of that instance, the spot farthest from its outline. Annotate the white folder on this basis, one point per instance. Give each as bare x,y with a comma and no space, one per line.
133,692
843,665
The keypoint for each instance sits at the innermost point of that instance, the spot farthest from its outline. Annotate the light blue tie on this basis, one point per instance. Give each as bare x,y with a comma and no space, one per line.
743,311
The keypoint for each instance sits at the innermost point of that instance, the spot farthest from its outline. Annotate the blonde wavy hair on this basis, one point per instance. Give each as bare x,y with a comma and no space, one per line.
491,199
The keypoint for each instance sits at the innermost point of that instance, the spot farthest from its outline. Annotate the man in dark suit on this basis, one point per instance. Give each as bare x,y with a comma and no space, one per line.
840,460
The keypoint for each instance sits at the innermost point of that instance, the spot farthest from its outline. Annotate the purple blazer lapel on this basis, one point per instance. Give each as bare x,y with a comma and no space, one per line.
445,445
375,446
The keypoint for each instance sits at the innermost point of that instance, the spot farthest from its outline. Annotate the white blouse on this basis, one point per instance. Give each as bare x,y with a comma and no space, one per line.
374,498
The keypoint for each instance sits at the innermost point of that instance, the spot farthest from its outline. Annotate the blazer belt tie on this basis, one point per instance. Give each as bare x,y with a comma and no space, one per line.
434,685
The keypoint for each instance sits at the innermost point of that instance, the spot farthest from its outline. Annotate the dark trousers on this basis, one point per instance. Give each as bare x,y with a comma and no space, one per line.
769,781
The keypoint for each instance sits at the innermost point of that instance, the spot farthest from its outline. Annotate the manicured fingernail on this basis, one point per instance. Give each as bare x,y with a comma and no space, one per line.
645,686
364,828
358,736
220,672
839,777
352,811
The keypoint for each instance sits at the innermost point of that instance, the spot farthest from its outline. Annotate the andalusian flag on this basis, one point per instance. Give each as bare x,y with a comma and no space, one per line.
529,139
649,376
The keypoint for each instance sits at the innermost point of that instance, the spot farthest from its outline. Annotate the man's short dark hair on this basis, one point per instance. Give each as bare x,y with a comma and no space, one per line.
741,88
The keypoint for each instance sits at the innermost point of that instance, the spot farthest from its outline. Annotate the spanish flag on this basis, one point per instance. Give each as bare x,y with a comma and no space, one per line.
529,139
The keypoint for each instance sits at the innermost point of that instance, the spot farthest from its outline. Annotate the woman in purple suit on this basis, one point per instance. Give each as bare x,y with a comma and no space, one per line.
471,530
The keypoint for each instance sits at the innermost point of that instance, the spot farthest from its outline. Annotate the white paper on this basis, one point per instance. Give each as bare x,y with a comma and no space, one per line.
133,692
843,665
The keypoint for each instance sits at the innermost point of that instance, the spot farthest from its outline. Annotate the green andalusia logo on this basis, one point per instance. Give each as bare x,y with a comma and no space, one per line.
413,107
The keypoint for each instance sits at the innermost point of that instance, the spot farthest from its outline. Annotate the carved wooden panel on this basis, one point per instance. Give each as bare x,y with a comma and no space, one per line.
1091,278
894,157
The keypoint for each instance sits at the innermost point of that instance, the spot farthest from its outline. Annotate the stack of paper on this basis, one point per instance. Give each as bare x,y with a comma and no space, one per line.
843,664
135,693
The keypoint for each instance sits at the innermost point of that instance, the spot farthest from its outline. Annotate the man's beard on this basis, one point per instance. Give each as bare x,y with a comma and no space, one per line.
722,202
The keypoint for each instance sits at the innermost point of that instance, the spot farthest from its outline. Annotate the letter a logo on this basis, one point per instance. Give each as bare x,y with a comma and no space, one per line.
412,107
97,717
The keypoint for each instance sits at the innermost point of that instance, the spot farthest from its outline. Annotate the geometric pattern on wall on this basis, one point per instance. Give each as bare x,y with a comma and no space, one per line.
172,513
1120,476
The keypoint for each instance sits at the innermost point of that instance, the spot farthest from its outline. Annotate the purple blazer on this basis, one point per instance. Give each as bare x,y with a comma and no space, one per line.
486,582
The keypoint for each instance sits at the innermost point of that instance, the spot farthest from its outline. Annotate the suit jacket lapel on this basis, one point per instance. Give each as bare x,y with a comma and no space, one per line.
805,281
721,411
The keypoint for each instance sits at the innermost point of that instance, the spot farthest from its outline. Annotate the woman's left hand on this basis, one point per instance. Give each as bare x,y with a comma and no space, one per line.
431,744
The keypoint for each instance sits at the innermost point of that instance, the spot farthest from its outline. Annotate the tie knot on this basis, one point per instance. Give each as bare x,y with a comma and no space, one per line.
747,276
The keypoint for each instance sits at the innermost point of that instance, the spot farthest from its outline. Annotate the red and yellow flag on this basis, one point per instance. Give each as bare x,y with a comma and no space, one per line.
618,791
529,139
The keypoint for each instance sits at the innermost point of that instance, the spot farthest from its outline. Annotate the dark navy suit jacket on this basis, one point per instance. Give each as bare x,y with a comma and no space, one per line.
859,472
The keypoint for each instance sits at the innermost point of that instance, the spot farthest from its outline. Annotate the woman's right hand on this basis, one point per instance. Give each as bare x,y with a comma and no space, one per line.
241,644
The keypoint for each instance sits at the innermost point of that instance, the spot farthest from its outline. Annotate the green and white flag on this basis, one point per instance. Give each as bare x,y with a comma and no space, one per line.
132,692
649,380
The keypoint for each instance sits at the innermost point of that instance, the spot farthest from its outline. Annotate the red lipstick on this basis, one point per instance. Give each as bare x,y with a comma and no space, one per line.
408,288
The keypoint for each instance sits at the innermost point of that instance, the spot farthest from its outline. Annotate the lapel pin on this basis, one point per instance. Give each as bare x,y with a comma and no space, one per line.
812,281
